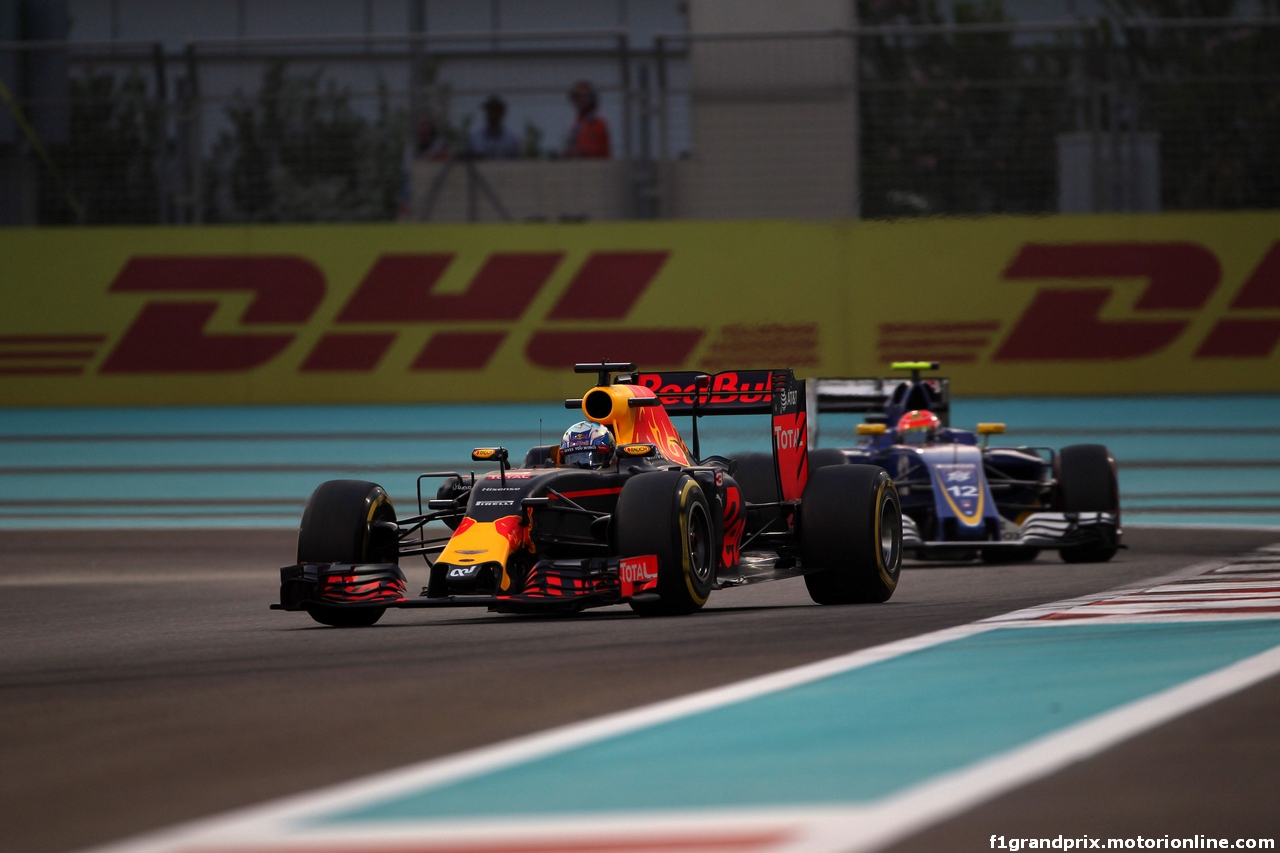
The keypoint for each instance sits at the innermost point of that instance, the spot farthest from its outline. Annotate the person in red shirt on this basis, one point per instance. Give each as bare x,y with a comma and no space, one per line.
589,136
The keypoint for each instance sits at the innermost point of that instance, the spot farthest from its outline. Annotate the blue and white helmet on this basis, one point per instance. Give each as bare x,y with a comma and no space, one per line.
586,445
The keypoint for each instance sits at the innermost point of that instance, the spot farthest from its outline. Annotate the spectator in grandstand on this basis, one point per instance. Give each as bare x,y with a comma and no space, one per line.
492,140
429,145
589,136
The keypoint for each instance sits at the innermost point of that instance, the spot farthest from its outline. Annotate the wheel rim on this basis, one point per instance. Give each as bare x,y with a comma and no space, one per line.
699,544
889,529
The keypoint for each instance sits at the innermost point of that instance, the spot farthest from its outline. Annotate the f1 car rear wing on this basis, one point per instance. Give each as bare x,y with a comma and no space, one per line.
882,399
731,392
872,396
743,392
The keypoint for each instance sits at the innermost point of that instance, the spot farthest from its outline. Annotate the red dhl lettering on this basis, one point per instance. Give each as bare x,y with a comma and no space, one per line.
1063,319
169,337
1064,323
399,289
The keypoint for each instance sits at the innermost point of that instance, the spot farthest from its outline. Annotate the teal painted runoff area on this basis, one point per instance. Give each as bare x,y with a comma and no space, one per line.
857,736
255,466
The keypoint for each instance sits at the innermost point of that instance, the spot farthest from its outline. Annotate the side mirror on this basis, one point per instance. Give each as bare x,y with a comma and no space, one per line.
871,429
493,454
988,430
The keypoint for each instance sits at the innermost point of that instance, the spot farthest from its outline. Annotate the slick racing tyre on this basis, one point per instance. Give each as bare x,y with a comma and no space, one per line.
851,531
1087,483
755,476
666,514
339,526
823,457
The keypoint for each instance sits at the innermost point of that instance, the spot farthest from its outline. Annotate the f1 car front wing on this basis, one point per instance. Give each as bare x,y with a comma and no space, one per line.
553,586
1044,530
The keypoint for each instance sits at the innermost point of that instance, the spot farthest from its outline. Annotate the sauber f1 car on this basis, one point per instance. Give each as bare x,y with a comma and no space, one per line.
652,525
960,497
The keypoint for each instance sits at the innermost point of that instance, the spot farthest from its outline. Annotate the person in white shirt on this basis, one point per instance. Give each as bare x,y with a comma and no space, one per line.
492,140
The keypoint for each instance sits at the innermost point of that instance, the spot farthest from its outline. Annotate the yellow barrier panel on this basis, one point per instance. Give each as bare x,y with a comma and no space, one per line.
1114,304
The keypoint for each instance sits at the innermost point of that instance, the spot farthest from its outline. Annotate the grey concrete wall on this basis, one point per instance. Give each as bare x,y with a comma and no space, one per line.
774,121
573,190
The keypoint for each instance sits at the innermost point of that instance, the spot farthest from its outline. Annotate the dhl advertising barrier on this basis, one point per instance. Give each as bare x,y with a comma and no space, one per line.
403,313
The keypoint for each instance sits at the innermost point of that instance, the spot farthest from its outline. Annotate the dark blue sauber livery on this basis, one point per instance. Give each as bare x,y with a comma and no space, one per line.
962,498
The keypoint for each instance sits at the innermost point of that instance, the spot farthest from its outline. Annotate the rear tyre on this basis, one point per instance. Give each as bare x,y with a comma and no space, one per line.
851,529
1087,483
339,525
666,514
824,457
755,476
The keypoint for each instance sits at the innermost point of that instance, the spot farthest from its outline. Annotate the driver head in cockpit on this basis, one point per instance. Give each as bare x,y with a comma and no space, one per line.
587,445
918,427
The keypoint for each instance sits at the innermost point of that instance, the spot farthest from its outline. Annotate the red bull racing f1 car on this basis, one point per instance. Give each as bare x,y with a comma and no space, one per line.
623,511
960,497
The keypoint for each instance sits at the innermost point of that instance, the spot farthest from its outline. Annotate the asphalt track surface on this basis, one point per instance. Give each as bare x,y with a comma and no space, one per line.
145,683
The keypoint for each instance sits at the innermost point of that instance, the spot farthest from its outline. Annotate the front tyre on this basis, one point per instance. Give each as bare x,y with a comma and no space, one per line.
666,514
1087,483
851,531
346,522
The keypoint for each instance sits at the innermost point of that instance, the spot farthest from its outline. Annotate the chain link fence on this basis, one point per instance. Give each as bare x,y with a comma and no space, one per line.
905,120
279,130
1009,118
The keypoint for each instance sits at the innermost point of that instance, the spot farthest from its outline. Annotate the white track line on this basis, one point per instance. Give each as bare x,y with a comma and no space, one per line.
816,830
1034,612
952,794
441,771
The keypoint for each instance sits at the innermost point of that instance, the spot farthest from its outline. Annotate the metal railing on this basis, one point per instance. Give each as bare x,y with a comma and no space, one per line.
1010,117
278,129
998,117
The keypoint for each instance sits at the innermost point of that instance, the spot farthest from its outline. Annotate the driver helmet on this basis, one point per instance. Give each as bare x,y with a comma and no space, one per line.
918,426
586,445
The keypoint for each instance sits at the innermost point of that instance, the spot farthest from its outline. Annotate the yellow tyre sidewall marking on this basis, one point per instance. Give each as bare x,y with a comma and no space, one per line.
878,509
684,544
368,522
